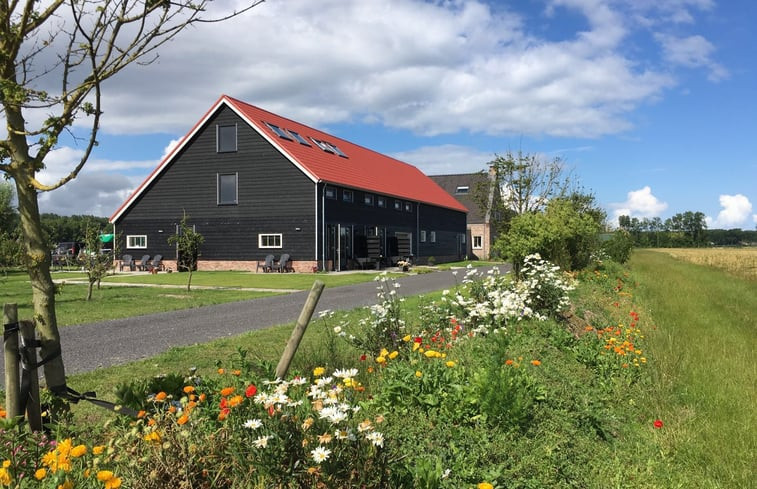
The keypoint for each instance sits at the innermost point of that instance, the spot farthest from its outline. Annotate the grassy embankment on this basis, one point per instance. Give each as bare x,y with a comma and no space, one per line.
705,378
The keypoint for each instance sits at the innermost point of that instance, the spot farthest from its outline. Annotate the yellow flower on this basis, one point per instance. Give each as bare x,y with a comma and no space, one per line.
114,483
5,477
6,464
68,485
450,363
406,338
393,355
416,346
98,449
432,354
110,480
381,360
485,485
40,474
418,374
104,475
153,436
78,451
318,371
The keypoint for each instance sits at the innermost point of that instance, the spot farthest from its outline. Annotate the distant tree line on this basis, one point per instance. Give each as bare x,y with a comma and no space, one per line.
683,230
56,228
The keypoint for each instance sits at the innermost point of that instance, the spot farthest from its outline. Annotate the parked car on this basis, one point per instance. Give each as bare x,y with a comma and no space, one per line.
66,252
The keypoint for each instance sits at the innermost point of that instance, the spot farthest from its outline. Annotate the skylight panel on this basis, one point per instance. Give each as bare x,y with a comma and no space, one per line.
462,189
299,138
328,147
279,131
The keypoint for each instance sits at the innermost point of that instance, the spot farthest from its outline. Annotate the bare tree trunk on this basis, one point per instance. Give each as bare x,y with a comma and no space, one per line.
43,290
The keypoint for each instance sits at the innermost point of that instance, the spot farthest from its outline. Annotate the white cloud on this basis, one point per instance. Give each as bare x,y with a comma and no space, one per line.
470,67
736,212
97,190
639,203
446,159
692,52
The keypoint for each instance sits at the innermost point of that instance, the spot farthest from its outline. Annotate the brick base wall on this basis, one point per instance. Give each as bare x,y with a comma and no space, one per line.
301,266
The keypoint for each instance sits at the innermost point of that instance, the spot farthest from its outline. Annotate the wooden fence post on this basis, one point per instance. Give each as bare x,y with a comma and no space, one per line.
10,350
33,411
299,329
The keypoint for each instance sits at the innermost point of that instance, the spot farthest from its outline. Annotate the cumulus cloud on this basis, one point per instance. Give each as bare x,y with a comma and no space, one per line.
692,52
446,159
473,66
639,203
97,190
736,212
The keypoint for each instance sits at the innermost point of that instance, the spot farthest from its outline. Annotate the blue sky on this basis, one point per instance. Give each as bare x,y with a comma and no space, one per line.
651,104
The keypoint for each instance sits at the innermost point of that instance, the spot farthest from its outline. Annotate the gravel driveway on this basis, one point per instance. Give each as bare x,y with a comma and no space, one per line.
90,346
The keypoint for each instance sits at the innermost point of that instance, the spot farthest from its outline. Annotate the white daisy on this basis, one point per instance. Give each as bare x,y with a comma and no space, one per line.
262,442
320,454
253,424
376,438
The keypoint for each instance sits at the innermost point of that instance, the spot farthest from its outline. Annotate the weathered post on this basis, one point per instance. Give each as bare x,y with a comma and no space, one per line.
31,388
299,329
10,350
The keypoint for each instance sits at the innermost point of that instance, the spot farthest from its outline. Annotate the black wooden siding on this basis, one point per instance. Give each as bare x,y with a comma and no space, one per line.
273,197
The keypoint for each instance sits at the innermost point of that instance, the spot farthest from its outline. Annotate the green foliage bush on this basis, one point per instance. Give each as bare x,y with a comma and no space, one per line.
619,246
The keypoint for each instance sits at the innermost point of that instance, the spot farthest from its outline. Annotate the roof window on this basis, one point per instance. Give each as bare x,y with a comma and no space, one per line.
299,138
328,147
462,189
279,131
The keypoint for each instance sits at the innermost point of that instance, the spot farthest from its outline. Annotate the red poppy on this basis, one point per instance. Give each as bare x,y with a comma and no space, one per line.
251,390
362,357
658,423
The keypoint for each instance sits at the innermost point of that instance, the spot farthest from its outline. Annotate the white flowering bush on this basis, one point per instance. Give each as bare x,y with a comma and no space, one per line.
546,286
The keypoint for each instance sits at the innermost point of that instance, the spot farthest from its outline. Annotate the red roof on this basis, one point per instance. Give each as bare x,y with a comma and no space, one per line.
360,168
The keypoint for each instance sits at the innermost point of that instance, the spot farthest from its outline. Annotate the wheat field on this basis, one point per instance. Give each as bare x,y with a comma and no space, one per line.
738,261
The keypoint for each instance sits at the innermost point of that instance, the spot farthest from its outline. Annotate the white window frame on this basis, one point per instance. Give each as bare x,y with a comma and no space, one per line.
276,237
397,205
218,188
381,202
218,138
478,242
368,199
408,206
432,236
423,236
462,189
133,244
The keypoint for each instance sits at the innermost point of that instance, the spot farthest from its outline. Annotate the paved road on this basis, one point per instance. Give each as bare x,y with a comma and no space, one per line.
90,346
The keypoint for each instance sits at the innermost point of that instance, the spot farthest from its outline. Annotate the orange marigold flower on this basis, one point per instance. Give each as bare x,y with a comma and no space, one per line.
98,449
78,451
161,396
237,373
221,371
235,401
509,361
203,396
142,413
188,389
183,419
535,363
227,391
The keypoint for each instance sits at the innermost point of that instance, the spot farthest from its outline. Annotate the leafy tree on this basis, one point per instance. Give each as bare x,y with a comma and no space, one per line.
8,214
554,233
75,46
97,264
187,242
619,246
528,182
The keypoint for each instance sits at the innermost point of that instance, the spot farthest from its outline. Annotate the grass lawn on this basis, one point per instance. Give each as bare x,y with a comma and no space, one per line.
706,377
112,302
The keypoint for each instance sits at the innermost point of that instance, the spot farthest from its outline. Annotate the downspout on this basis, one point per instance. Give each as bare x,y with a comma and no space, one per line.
315,228
323,228
417,231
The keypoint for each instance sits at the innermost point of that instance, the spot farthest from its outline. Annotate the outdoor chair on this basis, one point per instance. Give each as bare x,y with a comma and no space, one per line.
157,263
127,261
267,264
142,264
284,264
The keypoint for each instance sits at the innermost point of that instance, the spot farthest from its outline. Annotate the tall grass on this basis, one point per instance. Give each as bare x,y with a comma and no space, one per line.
704,388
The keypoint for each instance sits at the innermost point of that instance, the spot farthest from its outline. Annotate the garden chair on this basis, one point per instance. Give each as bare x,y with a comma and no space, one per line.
267,264
157,263
284,264
142,264
127,261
